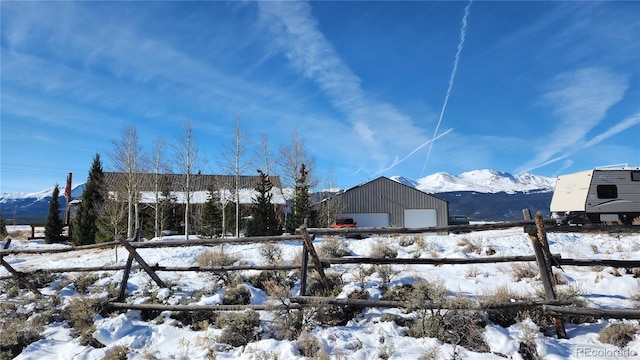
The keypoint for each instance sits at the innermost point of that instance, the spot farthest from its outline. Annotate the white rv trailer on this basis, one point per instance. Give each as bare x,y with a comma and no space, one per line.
596,196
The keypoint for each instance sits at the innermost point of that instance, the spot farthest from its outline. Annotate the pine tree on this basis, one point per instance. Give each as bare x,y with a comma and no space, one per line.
264,219
54,226
301,201
85,226
3,228
211,215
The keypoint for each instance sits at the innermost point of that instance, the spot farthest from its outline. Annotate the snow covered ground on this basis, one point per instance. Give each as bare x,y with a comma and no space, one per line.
366,336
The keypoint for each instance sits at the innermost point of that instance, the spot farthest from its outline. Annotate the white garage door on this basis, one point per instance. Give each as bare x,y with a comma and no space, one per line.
419,218
369,219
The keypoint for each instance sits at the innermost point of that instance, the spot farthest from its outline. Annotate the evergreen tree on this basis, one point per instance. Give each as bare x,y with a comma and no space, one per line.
3,228
301,201
85,228
166,205
54,226
264,219
211,215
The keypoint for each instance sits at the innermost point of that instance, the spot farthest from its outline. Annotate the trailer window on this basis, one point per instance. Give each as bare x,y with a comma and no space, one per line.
607,191
635,176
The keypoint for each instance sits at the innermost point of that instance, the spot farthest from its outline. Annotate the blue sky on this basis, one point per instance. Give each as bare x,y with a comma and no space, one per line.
540,87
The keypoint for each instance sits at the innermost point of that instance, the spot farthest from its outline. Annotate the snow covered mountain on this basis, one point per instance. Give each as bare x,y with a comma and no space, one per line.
25,208
482,181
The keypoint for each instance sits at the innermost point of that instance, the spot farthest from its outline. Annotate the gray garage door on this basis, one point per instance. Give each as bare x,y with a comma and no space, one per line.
419,218
370,219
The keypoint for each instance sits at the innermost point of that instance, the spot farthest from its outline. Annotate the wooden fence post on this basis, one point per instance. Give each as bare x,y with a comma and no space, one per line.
545,273
314,255
303,271
542,236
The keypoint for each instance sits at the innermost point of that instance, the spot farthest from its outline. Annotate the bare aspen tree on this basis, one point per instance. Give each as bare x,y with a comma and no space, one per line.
333,205
223,186
263,152
233,162
127,158
187,162
159,169
292,156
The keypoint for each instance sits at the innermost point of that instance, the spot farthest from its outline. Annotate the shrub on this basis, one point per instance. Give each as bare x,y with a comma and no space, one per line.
316,288
239,295
528,348
197,320
308,345
262,279
272,253
238,328
471,245
216,258
386,273
503,316
333,247
617,334
521,271
81,312
635,300
16,334
386,349
398,293
382,250
84,281
405,241
119,352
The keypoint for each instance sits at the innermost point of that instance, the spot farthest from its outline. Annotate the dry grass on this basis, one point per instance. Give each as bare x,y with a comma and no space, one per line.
333,247
383,250
473,245
210,258
521,271
618,334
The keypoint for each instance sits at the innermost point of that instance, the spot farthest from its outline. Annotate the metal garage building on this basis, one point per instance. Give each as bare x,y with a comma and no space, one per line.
386,203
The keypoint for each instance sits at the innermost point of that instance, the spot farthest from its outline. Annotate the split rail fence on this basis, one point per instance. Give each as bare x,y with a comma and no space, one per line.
535,228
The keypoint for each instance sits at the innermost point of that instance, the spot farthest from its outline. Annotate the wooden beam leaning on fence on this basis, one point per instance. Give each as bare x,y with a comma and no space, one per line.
17,274
133,254
543,259
310,250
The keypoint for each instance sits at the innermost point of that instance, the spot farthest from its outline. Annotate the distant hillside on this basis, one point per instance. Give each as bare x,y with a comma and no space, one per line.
496,206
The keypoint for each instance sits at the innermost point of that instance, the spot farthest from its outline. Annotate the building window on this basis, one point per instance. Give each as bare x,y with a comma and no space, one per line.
635,176
607,191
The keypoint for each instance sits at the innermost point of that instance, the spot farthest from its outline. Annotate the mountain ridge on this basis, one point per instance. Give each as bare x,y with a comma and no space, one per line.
482,181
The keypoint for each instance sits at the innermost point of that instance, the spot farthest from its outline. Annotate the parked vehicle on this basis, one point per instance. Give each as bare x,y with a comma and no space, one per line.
342,223
597,196
458,220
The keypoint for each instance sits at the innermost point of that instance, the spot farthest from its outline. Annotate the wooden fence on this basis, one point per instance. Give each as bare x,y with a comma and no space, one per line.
535,228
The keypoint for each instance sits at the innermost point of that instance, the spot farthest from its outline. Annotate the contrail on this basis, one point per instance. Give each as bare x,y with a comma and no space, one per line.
430,141
463,33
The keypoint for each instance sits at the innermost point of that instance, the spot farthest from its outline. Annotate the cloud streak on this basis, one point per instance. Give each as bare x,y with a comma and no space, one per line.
580,100
298,36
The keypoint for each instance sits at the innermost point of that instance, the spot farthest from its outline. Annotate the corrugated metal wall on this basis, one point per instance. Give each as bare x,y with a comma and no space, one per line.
384,195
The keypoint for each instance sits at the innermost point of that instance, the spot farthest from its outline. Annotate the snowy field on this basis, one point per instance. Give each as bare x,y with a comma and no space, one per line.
369,335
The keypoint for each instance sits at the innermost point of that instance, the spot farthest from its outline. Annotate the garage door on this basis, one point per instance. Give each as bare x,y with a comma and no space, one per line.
419,218
370,219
